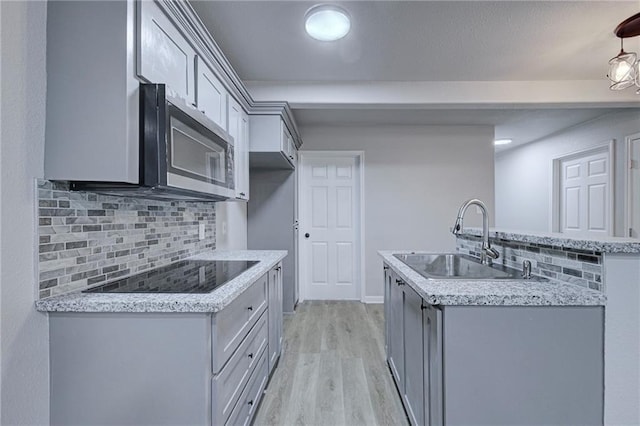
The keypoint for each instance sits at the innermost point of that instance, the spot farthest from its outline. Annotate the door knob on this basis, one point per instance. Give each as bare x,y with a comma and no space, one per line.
306,235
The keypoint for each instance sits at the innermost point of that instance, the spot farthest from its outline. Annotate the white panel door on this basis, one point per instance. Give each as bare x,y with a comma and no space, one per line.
634,186
585,206
329,229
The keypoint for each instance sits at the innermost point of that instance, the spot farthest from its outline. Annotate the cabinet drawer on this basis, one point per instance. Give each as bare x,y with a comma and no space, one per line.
245,409
232,324
228,385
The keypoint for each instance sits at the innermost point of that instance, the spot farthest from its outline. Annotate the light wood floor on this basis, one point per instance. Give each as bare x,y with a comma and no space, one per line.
332,370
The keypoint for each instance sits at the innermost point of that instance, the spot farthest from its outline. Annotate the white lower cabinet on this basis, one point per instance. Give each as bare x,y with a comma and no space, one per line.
229,383
413,394
405,344
395,319
166,368
494,364
275,315
248,402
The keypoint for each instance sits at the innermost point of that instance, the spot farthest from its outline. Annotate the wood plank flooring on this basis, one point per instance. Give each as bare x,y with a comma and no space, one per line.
332,370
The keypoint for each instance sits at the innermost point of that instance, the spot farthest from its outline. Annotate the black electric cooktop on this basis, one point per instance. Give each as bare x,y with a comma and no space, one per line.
187,276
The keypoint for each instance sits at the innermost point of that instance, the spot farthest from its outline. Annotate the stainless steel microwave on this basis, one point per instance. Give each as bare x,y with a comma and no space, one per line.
183,154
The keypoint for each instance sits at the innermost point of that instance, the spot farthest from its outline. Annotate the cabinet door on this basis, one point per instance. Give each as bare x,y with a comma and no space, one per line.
396,331
387,308
244,169
432,362
287,148
413,394
275,314
273,319
280,323
211,95
164,54
284,140
238,127
293,153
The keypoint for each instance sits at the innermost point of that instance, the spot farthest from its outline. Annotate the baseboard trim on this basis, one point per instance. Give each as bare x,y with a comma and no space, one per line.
374,299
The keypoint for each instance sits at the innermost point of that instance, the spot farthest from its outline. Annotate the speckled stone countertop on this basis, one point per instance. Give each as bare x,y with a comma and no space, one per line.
604,245
169,302
498,292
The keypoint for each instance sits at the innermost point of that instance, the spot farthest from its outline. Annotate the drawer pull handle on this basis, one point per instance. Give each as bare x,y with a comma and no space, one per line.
250,356
278,268
399,282
250,308
250,402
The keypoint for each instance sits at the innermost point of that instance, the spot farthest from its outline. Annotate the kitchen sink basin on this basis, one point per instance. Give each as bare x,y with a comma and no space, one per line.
452,266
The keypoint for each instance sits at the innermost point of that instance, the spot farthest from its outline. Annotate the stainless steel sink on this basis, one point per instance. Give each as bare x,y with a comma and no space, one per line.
458,267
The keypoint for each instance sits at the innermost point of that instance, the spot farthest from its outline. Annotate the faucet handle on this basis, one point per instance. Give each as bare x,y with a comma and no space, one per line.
526,269
491,252
457,227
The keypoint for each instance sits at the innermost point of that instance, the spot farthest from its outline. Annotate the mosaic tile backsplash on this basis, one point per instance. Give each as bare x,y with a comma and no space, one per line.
86,238
581,267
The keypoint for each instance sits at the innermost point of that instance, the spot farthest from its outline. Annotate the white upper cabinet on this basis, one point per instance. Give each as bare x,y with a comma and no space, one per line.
288,147
243,170
239,130
165,55
211,95
271,144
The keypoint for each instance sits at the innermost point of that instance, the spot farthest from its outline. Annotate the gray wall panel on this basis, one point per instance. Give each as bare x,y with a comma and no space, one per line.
539,365
102,374
270,215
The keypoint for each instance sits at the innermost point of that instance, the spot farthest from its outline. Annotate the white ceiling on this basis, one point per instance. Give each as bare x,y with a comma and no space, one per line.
429,41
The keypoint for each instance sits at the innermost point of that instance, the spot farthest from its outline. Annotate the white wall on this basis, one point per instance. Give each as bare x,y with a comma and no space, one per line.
0,218
24,345
416,178
231,225
523,175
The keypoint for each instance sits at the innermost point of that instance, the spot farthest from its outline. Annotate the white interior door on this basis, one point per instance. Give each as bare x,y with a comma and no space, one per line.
329,228
634,186
585,194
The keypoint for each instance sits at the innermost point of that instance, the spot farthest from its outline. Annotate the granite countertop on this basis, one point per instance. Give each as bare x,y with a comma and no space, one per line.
604,244
497,292
170,302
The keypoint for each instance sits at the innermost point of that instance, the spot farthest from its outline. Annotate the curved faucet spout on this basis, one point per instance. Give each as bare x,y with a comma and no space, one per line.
488,253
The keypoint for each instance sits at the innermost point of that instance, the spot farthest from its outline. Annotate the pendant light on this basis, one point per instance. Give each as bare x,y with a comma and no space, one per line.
624,69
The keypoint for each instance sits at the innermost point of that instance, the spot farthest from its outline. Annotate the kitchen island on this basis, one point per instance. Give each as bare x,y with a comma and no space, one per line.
610,265
140,358
500,352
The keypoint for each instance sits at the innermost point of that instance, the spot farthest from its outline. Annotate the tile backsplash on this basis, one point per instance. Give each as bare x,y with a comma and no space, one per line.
581,267
87,238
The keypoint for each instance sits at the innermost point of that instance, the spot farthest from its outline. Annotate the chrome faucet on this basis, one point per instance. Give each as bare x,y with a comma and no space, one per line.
487,253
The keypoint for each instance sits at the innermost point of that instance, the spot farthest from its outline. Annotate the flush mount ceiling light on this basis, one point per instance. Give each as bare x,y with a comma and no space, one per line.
624,69
327,22
502,142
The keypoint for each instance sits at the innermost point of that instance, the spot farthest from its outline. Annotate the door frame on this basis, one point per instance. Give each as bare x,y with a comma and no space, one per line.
627,178
303,157
609,148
